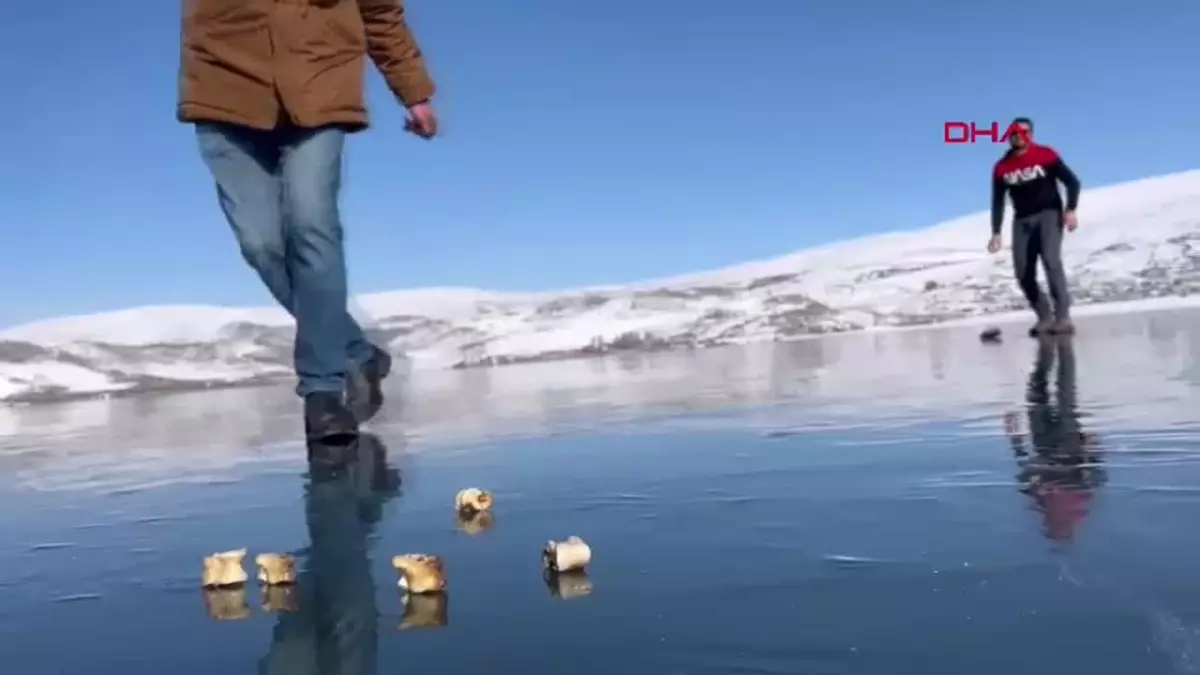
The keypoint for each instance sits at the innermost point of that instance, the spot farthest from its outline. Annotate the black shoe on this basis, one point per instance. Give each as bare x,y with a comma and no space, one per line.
327,419
364,385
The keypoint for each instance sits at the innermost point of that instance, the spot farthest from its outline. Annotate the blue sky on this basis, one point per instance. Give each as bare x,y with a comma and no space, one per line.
586,142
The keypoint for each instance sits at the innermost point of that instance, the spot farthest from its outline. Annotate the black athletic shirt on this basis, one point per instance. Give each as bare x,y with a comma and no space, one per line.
1031,180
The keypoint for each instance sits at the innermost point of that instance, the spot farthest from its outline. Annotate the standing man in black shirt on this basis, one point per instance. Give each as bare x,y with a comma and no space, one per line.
1029,175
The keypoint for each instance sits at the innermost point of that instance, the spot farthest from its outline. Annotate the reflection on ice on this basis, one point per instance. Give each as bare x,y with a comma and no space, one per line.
568,585
226,604
428,610
1061,464
474,523
279,598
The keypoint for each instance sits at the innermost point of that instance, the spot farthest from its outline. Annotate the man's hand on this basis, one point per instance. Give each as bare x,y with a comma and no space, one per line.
1070,221
421,121
994,244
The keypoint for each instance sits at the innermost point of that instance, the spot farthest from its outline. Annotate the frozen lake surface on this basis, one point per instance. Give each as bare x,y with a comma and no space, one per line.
913,502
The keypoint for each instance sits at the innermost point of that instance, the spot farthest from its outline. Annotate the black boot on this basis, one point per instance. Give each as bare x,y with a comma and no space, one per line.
327,419
364,390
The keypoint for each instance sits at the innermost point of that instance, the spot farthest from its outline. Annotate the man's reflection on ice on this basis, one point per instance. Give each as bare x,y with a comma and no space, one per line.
1060,463
333,622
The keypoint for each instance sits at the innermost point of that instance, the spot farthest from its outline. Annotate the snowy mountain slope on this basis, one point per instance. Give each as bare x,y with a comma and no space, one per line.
1137,240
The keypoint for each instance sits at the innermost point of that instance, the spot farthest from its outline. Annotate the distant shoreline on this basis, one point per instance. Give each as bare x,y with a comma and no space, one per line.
997,319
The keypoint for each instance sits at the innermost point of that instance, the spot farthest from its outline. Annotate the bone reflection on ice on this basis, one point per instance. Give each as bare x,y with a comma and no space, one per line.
226,604
426,610
279,598
564,566
567,585
476,522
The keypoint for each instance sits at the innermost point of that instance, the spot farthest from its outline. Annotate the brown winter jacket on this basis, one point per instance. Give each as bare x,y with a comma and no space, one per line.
257,62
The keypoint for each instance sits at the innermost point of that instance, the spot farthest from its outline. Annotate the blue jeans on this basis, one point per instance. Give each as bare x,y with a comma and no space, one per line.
279,191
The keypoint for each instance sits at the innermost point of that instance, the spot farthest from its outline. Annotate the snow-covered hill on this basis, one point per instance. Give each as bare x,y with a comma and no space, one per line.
1137,240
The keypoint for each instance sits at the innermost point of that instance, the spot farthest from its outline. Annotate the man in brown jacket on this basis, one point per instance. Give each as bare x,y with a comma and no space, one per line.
273,87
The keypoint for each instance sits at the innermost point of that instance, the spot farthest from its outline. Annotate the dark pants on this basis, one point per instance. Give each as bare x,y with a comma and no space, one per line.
1035,237
279,191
